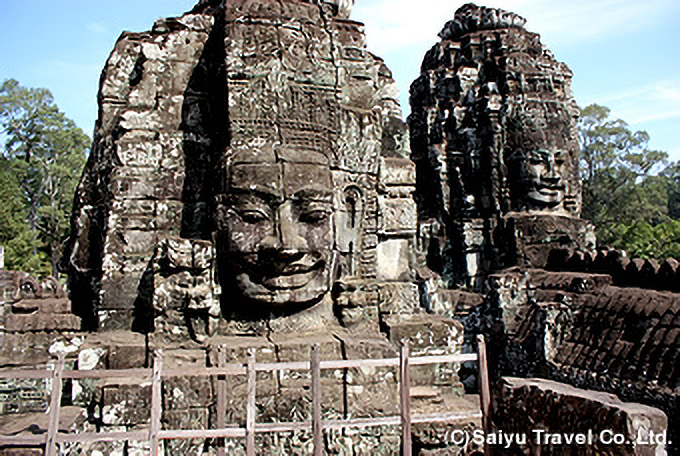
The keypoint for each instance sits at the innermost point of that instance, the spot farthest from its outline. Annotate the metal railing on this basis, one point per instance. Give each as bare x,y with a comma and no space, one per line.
155,434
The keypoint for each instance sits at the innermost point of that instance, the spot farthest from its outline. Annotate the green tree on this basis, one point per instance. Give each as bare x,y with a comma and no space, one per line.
19,242
672,177
42,159
629,191
618,171
644,240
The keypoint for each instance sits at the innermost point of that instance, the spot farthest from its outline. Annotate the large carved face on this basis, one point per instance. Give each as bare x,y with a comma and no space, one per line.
276,227
542,176
539,160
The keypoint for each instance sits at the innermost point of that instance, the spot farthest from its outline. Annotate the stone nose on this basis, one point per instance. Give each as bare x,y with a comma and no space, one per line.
551,172
290,235
286,238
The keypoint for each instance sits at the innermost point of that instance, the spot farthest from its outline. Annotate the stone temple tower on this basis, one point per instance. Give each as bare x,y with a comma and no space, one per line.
493,136
192,107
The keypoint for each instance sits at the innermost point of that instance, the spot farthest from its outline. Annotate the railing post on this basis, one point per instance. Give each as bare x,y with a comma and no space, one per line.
484,390
156,403
221,399
155,435
55,407
317,430
251,390
405,396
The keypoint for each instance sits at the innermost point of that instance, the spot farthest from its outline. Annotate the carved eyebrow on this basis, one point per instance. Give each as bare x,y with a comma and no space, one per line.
313,194
542,153
258,192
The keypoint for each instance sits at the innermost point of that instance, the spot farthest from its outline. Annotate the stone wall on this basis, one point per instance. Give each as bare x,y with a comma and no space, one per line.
540,416
580,329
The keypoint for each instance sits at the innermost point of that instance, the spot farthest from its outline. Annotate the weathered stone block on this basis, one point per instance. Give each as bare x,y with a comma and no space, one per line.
373,399
134,183
397,172
119,67
115,320
529,239
144,94
558,410
169,217
267,396
22,452
508,291
194,418
141,120
294,403
169,111
181,45
49,305
452,303
397,216
113,350
195,22
298,347
366,347
428,335
22,396
394,260
134,214
140,154
120,290
41,322
185,392
236,349
125,402
568,281
398,297
363,320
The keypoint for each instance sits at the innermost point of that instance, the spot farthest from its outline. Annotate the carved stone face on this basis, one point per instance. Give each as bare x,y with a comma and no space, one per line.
540,148
276,224
542,176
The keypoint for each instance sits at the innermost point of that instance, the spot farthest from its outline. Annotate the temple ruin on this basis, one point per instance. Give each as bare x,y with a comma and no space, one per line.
253,196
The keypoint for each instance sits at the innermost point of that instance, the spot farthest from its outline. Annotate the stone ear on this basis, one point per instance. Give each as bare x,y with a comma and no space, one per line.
349,219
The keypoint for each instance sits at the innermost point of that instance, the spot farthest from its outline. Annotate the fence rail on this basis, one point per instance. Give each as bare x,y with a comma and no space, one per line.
53,438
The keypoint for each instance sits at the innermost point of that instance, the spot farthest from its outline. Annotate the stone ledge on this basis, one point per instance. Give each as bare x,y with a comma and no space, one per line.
524,405
41,322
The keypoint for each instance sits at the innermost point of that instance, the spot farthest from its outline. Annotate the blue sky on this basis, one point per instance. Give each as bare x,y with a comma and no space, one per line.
625,54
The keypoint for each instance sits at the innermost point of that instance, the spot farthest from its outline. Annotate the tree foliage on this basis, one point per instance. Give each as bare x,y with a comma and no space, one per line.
630,192
40,165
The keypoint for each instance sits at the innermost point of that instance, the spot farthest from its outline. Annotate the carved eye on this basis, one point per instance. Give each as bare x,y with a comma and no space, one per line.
314,216
253,216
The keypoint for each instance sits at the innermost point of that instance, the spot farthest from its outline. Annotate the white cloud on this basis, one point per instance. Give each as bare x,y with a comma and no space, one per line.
578,21
393,24
656,101
96,28
401,31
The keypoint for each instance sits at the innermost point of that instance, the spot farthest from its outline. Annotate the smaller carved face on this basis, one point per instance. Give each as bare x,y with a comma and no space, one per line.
277,227
543,177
